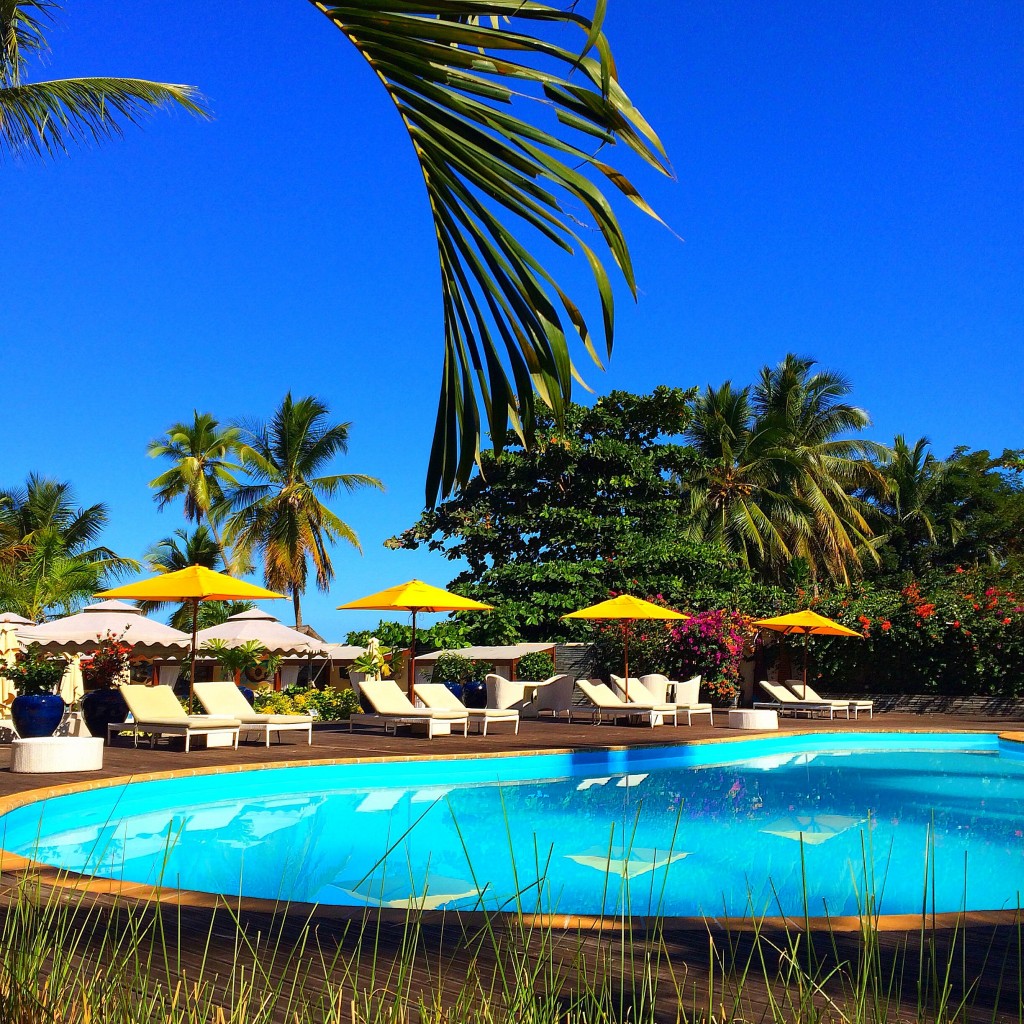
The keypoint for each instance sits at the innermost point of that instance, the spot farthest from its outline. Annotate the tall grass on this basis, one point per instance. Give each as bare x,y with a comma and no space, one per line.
74,958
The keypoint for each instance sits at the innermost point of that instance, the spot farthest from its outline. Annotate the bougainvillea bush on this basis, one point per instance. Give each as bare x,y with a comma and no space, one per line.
711,644
958,632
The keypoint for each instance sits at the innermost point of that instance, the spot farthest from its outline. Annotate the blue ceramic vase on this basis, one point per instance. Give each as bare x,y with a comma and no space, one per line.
37,714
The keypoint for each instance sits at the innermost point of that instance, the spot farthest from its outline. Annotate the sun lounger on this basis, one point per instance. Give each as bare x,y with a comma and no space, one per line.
804,692
785,702
641,693
605,704
438,697
393,708
156,711
226,700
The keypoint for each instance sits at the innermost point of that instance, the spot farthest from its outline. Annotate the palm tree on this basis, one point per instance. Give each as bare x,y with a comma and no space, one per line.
201,453
775,481
459,72
43,118
278,511
809,411
910,502
179,551
49,558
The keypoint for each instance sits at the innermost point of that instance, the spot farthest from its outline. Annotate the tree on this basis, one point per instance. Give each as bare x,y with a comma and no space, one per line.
589,509
457,70
907,505
201,452
43,118
277,510
49,558
179,551
774,480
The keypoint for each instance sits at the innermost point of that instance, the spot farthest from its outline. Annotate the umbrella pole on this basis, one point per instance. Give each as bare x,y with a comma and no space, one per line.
412,662
192,663
625,651
807,643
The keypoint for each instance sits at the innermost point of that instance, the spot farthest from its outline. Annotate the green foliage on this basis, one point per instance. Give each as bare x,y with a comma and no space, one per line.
587,511
453,668
243,657
44,118
446,635
34,672
327,705
50,560
277,511
959,632
535,667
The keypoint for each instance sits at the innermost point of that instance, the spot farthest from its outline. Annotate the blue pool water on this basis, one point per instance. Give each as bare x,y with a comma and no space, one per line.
707,829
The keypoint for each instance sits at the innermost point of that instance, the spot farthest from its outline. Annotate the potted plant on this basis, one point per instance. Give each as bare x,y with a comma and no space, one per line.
250,659
535,667
454,671
474,691
38,708
102,702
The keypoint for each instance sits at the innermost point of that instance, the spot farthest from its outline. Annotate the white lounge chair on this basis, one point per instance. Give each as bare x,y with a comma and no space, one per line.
785,702
393,708
438,697
156,711
688,702
225,699
605,704
639,694
805,692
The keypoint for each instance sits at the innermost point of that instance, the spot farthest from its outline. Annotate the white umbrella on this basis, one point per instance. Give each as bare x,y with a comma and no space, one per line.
261,626
84,631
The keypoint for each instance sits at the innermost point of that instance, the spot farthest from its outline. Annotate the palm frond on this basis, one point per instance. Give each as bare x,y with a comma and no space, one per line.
46,118
456,70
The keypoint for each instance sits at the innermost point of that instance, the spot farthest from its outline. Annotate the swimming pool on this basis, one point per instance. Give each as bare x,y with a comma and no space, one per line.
725,828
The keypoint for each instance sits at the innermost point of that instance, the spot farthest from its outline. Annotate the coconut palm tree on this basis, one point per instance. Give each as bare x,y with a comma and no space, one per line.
911,503
202,454
809,411
49,558
182,549
460,72
277,512
775,480
44,118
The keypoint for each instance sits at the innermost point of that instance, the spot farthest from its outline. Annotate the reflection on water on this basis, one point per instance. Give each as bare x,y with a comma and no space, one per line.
711,840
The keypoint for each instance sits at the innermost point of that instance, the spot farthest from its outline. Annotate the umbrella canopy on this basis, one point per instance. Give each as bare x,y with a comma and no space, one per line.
809,624
812,829
628,609
193,584
626,861
13,619
415,596
261,626
82,632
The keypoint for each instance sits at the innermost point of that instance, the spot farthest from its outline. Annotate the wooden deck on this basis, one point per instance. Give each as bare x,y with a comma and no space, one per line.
987,950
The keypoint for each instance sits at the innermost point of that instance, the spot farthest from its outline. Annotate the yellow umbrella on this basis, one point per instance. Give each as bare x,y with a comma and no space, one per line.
415,596
809,624
628,609
193,584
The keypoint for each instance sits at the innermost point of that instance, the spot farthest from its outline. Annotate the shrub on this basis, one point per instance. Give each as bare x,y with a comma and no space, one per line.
711,644
535,667
328,705
453,668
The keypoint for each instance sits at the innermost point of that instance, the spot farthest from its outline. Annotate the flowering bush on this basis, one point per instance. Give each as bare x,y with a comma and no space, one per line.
712,644
960,632
33,672
109,664
328,705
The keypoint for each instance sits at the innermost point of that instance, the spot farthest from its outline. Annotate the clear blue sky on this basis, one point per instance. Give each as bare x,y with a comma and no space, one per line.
848,187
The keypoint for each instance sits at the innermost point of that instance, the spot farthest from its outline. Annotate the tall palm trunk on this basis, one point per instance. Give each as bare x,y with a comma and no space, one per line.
296,604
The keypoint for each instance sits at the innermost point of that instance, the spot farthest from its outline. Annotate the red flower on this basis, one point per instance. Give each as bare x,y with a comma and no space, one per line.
886,626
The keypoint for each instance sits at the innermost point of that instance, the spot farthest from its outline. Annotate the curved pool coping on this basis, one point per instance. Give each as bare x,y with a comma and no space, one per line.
14,866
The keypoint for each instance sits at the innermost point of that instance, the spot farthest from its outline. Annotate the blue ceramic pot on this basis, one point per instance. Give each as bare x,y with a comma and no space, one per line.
456,688
247,694
474,694
37,714
100,708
